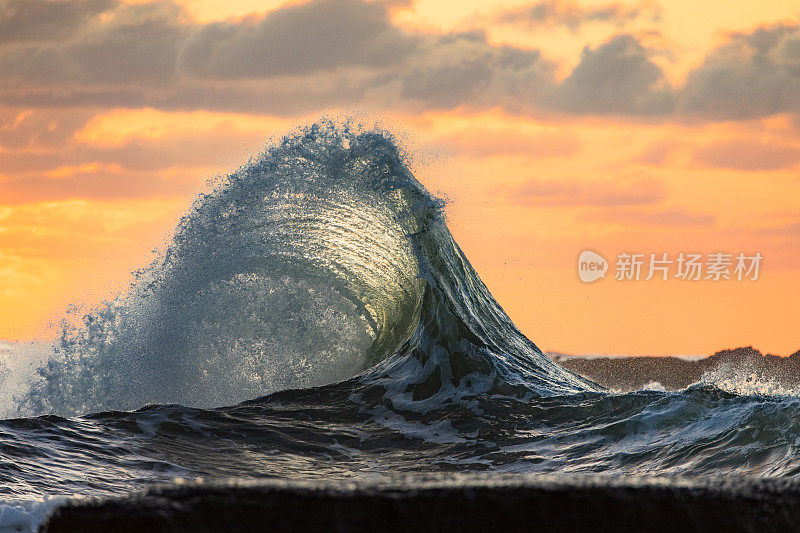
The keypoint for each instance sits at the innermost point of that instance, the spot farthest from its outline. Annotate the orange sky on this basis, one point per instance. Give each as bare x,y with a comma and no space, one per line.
641,126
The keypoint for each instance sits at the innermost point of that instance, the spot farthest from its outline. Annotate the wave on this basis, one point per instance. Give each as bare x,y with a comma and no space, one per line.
318,295
319,260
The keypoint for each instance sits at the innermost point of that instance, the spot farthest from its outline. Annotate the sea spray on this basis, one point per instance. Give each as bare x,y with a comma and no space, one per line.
309,265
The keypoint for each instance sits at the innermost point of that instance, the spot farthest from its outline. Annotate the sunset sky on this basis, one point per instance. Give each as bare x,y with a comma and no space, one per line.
550,127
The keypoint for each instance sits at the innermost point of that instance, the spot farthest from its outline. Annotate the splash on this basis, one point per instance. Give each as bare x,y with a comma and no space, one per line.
747,381
309,265
19,362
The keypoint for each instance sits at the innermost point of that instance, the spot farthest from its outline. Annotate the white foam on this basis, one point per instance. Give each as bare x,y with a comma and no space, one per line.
27,515
746,382
654,386
438,432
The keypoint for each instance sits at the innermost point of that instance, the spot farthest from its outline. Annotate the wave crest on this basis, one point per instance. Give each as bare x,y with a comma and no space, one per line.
309,265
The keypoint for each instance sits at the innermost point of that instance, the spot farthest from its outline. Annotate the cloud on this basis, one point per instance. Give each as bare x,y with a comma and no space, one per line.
79,229
648,218
782,226
37,127
47,20
321,54
464,69
745,154
658,153
279,97
15,162
298,39
616,77
586,193
549,13
189,151
299,58
96,182
64,166
754,75
494,142
135,44
92,185
791,230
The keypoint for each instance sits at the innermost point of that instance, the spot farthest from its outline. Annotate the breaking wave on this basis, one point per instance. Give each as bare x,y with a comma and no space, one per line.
309,265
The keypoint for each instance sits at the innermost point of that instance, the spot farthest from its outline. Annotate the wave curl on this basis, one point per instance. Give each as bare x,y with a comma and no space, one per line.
314,262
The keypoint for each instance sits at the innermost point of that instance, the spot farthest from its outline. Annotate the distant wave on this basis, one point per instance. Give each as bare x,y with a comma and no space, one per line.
740,370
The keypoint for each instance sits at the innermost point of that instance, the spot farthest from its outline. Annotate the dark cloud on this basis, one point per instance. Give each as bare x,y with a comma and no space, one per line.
280,97
583,193
572,15
754,75
153,55
745,154
298,39
617,77
47,20
307,57
463,69
136,44
299,58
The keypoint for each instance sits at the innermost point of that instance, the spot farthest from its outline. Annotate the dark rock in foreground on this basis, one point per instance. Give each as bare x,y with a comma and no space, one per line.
458,503
633,373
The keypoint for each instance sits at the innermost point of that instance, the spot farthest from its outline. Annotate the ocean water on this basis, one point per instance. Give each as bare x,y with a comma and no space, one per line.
314,318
